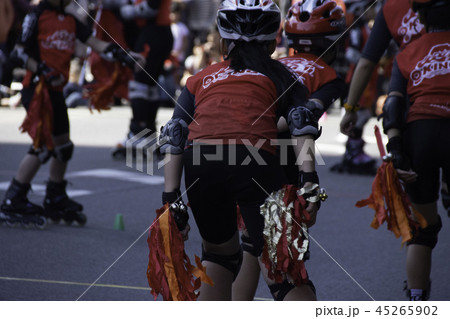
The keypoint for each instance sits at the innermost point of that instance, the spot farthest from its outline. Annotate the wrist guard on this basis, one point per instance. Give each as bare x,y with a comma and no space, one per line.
312,193
171,197
396,155
305,177
177,208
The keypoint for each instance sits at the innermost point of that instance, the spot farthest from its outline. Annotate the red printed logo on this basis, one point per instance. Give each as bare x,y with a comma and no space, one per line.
60,40
223,74
410,27
302,66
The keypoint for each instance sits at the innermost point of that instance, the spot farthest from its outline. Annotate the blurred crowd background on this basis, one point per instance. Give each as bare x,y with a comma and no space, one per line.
196,45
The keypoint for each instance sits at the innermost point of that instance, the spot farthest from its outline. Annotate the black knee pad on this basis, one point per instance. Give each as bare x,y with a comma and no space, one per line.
64,152
427,236
279,291
247,246
231,262
43,153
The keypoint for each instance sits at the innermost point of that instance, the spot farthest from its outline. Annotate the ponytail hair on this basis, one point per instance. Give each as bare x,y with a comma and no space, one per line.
255,56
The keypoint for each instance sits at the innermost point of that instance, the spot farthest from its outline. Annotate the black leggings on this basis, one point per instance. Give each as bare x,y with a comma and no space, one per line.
214,188
427,144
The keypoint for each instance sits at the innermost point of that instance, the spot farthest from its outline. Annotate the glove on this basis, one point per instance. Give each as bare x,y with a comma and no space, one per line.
177,208
51,76
113,52
396,155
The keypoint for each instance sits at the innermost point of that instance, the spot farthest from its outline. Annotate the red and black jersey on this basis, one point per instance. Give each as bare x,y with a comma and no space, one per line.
425,64
402,22
223,98
49,36
312,71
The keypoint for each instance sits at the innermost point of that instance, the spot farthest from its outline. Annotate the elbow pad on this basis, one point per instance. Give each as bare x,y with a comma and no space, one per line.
140,10
173,136
394,113
316,108
29,27
302,121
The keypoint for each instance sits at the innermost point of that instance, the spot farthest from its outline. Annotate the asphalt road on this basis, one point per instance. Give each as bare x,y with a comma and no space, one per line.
350,261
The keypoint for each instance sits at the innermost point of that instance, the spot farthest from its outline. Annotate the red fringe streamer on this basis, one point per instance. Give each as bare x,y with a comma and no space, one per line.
287,255
390,201
38,122
101,94
170,272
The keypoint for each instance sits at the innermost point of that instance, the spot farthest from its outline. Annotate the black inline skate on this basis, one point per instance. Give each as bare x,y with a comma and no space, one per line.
355,161
58,206
16,209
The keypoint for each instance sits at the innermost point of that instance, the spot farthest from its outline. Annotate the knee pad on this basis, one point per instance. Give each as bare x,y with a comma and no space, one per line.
427,236
43,153
247,246
139,90
64,152
231,262
302,121
279,291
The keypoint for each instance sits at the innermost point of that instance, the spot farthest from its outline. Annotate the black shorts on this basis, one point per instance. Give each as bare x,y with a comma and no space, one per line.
60,116
427,144
214,188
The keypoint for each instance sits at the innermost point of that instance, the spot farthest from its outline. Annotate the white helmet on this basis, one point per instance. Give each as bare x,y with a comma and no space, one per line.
248,20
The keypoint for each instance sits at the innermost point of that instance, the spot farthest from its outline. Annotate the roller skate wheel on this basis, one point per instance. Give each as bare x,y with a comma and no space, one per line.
41,224
55,220
82,219
11,224
68,222
27,224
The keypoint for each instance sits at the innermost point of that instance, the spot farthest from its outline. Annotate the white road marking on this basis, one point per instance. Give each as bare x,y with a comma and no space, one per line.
40,190
120,175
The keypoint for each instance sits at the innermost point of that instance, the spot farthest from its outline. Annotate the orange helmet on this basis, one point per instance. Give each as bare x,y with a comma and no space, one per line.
314,24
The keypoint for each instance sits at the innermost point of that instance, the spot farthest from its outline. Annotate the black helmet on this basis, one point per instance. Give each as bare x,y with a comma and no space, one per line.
248,20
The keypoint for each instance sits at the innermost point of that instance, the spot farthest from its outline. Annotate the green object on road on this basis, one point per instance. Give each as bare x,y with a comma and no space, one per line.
118,223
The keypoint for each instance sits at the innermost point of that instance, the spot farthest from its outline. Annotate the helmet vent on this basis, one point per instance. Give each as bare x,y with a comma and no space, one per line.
304,16
249,2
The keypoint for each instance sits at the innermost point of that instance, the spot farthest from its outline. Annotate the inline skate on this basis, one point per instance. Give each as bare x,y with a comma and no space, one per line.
17,210
58,206
355,161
